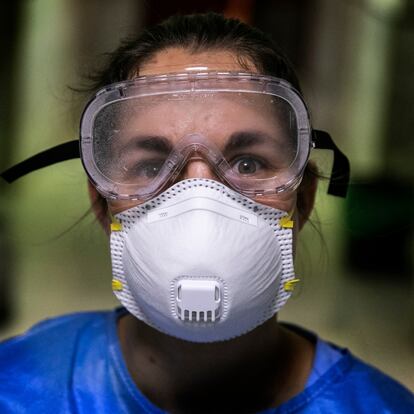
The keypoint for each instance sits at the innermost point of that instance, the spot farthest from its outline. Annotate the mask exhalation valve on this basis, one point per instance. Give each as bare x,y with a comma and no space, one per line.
198,300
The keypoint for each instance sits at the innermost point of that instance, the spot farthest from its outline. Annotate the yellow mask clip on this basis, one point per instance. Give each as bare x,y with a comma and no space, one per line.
117,285
286,222
115,224
290,285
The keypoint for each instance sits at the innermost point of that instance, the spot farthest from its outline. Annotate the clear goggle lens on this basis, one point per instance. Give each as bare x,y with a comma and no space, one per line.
250,140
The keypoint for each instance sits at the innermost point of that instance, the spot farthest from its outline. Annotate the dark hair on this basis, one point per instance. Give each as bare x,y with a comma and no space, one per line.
200,33
197,33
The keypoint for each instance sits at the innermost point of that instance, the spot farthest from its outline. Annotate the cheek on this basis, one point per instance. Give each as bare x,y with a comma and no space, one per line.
118,206
285,202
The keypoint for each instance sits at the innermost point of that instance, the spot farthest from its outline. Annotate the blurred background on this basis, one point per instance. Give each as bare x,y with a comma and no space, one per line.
355,59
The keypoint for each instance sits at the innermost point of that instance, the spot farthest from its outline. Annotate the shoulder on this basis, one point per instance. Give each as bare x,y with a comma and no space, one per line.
355,386
51,335
370,384
39,361
342,383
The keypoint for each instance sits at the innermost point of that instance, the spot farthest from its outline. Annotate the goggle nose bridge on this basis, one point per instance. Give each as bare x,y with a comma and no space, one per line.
206,151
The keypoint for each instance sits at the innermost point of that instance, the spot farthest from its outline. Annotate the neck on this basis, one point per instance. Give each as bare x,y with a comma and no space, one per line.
255,371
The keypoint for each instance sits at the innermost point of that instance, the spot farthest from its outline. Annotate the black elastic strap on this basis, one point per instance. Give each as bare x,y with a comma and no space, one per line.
66,151
339,181
338,184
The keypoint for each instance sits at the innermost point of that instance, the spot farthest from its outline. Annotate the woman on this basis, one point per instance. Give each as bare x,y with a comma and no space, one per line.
196,148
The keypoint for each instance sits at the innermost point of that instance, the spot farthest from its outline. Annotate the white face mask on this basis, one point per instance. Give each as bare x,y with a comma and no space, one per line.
201,262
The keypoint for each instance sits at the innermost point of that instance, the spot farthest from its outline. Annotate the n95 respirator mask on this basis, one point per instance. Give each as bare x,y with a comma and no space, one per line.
201,262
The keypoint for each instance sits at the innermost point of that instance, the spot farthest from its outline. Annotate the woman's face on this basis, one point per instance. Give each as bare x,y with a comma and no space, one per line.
223,119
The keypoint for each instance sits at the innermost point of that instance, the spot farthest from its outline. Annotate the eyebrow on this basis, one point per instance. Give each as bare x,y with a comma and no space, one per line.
237,141
153,143
244,139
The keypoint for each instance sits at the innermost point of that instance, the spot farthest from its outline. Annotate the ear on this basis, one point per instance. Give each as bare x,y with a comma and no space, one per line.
100,207
306,195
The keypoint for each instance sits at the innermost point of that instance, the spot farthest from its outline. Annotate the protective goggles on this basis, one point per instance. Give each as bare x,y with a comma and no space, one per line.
136,137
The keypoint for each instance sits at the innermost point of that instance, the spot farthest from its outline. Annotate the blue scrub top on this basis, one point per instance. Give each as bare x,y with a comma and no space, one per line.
73,364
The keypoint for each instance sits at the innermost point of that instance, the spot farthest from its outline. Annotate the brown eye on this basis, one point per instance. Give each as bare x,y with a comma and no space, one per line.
149,168
247,165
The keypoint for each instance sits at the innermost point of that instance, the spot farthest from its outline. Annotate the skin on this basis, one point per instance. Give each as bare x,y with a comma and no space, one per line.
258,370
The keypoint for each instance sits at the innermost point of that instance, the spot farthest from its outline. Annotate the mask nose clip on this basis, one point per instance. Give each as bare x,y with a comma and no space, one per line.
198,300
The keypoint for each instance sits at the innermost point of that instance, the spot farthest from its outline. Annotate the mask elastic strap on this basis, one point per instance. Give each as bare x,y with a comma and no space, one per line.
339,181
66,151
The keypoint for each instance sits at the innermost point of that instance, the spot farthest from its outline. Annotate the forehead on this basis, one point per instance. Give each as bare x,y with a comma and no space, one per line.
214,115
177,59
